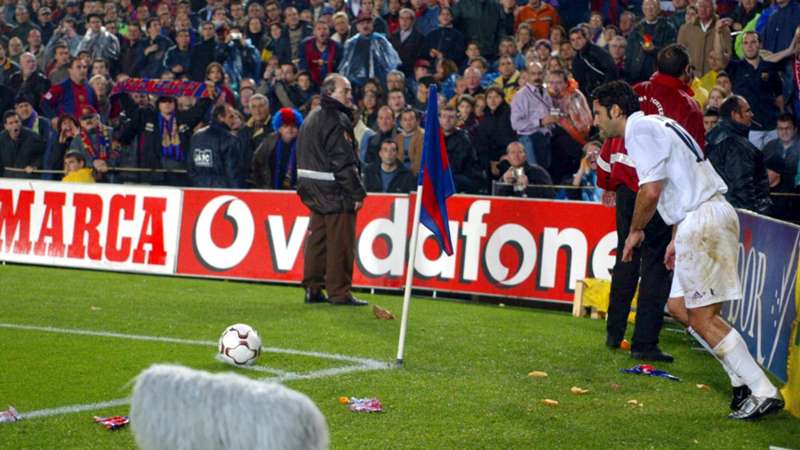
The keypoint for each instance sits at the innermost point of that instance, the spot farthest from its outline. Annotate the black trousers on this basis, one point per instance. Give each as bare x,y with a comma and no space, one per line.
329,254
648,261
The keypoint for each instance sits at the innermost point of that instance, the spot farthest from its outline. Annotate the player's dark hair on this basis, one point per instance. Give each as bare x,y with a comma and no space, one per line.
617,93
730,105
672,60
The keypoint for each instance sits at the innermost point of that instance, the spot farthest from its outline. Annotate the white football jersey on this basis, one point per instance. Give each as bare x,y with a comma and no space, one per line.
663,150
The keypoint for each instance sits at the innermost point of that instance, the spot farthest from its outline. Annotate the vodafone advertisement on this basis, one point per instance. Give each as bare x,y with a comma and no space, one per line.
503,247
98,226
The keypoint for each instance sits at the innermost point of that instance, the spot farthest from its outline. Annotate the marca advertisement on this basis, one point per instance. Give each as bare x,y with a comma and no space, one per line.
506,247
768,255
102,226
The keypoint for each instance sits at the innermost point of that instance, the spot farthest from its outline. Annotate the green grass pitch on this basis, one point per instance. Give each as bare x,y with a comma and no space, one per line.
465,383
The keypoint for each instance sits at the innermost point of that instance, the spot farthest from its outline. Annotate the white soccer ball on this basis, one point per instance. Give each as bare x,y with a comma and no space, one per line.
239,345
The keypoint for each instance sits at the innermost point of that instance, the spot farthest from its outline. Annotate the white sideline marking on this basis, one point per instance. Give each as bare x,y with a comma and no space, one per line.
364,365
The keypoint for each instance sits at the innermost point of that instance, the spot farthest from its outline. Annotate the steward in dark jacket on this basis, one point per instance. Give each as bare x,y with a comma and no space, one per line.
328,169
214,153
741,166
145,131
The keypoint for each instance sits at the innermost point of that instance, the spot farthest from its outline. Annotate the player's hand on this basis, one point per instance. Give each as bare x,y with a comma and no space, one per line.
669,256
634,240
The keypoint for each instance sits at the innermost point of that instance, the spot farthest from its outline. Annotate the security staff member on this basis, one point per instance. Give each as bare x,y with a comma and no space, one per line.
329,184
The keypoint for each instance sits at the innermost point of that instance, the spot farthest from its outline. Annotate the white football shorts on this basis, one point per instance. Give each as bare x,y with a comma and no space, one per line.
706,251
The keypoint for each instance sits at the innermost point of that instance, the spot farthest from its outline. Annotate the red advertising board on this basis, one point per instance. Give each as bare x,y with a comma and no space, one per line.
504,247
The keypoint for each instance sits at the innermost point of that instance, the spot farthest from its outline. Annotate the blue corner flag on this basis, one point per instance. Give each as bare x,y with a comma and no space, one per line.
435,177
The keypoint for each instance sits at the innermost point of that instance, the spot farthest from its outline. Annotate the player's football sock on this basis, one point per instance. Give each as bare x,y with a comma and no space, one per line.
735,380
733,350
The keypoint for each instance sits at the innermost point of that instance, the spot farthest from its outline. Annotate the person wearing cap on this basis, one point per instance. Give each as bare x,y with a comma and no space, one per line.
71,95
98,41
75,170
29,79
319,54
330,185
45,19
367,54
94,142
161,135
408,42
274,163
20,148
378,24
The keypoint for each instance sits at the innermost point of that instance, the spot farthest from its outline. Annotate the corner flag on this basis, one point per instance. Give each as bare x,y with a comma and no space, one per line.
435,177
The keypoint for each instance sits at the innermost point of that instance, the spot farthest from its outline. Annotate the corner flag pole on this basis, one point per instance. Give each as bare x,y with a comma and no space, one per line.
412,253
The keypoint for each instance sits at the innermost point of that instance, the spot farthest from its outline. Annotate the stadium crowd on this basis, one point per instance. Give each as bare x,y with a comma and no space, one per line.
514,78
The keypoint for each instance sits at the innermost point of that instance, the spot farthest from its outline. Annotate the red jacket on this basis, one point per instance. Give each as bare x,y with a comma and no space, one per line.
663,95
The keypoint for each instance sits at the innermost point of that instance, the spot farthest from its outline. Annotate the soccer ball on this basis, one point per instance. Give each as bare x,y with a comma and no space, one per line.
239,345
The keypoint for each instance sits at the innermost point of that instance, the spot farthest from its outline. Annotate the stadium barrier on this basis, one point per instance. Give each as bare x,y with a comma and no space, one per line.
505,247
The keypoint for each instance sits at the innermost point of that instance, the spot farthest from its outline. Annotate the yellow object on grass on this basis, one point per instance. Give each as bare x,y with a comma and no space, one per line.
597,294
791,391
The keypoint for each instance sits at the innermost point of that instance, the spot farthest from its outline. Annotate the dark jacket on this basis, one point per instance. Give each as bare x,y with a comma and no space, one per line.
592,67
36,85
142,131
27,150
640,64
250,139
537,176
741,166
463,162
409,50
260,162
202,55
326,146
484,21
493,135
449,41
151,65
374,144
213,157
403,181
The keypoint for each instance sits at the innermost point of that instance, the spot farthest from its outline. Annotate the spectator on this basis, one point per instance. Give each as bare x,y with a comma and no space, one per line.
782,155
35,47
648,37
204,52
745,11
494,132
396,81
389,174
570,132
213,152
58,69
24,106
71,95
319,54
586,176
24,24
294,32
539,16
178,58
7,66
367,54
68,129
150,51
678,16
446,41
710,118
240,58
45,19
368,109
255,131
508,80
397,102
524,40
161,136
408,42
532,117
460,153
592,65
409,141
341,27
94,143
759,83
428,16
617,47
705,34
627,20
98,41
20,148
386,130
484,21
29,79
75,170
736,159
378,24
465,115
274,163
516,171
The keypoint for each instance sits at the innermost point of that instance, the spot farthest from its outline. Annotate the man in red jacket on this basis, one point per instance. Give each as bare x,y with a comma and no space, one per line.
667,94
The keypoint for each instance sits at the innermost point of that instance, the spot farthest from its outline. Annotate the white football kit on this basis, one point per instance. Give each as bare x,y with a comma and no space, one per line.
707,238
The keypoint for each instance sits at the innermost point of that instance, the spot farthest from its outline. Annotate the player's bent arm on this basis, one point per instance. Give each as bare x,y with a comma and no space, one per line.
646,201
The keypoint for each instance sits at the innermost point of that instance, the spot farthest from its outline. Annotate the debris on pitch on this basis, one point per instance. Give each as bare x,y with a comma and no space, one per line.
9,415
112,422
649,370
382,314
703,387
537,374
354,404
625,345
550,402
578,391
